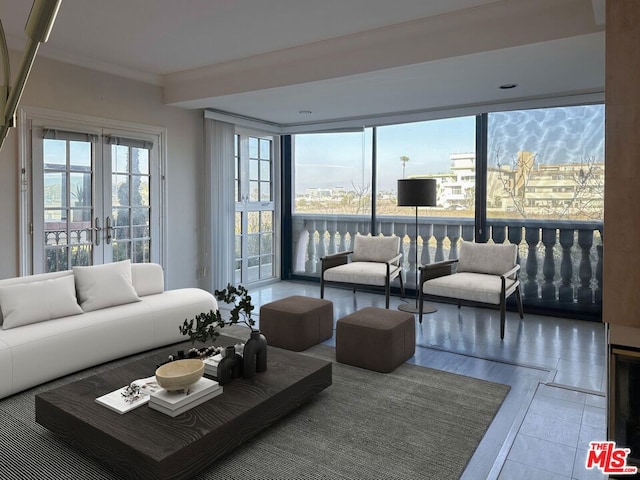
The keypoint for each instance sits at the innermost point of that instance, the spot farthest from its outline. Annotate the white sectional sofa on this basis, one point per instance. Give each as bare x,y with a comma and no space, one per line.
57,323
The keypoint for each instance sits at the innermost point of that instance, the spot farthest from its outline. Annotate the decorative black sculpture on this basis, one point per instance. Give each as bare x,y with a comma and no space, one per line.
230,366
255,354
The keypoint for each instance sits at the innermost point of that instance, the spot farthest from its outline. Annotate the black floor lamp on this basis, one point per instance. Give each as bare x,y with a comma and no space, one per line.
417,192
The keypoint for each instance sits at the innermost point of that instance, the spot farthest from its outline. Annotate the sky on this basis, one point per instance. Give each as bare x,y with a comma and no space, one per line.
556,135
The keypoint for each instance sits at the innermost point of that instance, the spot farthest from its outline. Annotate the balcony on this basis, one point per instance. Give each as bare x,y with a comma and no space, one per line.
561,261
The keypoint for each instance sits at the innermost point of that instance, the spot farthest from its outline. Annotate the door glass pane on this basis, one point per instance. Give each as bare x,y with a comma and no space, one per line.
81,255
120,190
140,161
120,158
55,153
121,250
80,155
55,188
120,218
130,205
67,204
140,222
80,189
140,251
121,233
140,190
80,218
56,259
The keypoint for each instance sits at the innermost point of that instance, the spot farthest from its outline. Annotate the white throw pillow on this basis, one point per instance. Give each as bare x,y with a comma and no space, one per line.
26,303
102,286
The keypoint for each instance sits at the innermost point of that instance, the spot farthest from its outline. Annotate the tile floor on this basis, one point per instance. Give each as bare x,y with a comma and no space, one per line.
555,367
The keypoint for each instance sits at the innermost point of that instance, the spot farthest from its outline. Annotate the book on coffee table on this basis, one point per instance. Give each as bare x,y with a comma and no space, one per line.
175,402
118,402
174,412
211,365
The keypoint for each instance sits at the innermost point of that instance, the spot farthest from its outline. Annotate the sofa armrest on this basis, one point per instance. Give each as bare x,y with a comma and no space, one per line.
437,269
334,260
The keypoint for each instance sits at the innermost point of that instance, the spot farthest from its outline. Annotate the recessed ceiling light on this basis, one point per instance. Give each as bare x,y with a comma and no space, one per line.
305,112
507,86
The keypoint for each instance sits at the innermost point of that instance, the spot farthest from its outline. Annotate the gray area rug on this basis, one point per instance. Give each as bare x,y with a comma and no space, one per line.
413,423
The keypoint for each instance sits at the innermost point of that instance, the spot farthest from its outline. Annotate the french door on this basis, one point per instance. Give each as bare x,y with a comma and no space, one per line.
255,211
95,198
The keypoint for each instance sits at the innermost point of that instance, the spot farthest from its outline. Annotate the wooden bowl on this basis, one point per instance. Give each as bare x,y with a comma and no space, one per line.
179,374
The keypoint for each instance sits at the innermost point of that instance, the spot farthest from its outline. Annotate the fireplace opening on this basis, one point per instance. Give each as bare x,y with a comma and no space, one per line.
624,401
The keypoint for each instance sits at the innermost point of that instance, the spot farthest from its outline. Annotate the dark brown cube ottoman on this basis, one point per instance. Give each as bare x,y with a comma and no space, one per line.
297,323
376,339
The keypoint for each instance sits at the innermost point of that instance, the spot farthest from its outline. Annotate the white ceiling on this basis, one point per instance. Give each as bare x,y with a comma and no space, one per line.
338,58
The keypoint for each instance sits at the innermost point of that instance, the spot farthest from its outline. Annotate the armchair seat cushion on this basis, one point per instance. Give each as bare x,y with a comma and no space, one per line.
474,287
364,273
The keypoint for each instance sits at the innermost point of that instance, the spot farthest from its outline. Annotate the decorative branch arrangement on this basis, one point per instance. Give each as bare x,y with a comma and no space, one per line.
207,324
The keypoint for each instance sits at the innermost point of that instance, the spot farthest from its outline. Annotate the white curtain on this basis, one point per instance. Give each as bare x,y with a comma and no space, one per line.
219,204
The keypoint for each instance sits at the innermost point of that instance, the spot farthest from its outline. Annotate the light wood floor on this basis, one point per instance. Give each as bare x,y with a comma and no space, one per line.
555,367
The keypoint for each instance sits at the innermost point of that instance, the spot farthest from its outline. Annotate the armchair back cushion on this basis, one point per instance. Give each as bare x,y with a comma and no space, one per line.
374,249
492,259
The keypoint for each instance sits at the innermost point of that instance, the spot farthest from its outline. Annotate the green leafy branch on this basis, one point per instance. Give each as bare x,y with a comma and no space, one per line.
240,298
205,325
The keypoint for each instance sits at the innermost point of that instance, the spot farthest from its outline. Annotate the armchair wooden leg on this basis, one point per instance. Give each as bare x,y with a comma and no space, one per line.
401,285
503,308
387,293
519,300
420,306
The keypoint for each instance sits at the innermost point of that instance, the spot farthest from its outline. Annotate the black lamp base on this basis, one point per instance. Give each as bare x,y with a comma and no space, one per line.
411,308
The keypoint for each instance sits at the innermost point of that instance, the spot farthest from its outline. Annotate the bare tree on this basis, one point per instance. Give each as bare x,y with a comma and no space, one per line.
514,176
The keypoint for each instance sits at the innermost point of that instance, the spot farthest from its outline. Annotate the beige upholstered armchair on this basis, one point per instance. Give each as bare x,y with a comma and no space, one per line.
373,261
483,273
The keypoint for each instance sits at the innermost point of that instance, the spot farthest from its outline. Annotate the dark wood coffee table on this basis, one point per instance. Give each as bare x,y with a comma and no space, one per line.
147,444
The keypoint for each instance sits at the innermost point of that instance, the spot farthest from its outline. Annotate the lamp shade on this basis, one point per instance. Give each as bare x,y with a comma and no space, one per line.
417,192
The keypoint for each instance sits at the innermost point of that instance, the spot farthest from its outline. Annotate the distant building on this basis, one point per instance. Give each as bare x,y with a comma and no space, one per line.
566,189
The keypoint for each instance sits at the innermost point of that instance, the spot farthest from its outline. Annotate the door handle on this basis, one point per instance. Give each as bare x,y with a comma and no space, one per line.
97,229
108,228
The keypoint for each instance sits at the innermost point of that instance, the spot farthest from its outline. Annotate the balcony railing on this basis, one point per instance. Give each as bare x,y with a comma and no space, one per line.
561,261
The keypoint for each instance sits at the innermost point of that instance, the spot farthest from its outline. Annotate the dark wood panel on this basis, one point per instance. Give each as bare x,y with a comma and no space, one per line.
621,268
145,443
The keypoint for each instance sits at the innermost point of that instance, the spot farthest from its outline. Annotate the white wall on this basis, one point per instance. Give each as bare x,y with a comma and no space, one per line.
66,88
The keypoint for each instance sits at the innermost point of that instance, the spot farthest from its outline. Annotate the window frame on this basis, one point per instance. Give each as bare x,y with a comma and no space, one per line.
28,116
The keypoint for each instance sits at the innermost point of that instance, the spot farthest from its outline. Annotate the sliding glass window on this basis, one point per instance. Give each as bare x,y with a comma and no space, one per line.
332,195
439,149
545,192
535,179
